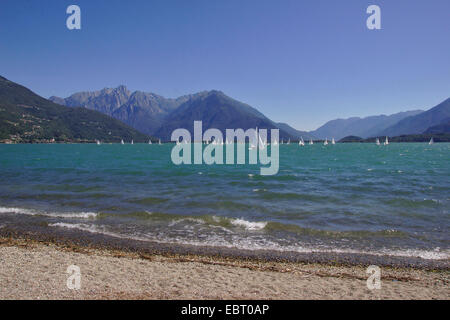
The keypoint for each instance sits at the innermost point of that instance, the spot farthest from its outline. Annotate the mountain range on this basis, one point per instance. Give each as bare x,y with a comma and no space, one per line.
159,116
420,123
112,114
155,115
27,117
434,120
360,127
141,110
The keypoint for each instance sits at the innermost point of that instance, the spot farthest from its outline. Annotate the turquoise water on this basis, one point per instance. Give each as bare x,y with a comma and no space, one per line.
343,198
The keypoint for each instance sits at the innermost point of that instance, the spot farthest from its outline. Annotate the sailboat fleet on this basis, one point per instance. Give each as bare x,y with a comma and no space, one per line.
261,144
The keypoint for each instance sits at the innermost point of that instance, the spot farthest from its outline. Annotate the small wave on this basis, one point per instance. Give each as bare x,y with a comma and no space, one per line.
30,212
435,254
412,203
248,225
94,229
258,244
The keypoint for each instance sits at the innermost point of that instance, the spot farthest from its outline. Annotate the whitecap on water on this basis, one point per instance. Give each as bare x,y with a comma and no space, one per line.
248,225
29,212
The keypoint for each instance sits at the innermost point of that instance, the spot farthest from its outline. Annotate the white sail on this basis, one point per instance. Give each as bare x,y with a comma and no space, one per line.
289,141
149,141
261,143
301,142
159,141
325,142
98,142
332,141
377,142
386,142
121,142
132,142
431,141
311,142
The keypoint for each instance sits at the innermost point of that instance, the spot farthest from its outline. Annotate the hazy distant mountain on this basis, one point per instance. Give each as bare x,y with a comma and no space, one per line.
422,137
421,122
143,111
27,117
361,127
297,134
216,110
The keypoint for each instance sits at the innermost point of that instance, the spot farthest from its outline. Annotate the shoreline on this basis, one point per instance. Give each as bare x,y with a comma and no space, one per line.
36,269
79,239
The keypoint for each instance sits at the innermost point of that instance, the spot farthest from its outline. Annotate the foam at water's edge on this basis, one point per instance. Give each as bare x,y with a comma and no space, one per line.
82,215
248,244
248,225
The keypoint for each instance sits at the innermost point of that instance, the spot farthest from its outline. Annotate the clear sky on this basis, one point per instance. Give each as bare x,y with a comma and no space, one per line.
300,62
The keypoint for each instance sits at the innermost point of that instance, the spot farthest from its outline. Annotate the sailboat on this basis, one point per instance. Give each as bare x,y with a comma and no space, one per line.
98,142
301,142
252,146
121,142
377,142
261,143
289,141
311,142
159,142
132,142
431,141
386,142
332,141
149,141
325,142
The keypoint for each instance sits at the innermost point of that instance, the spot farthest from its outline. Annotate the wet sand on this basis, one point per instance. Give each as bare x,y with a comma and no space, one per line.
36,269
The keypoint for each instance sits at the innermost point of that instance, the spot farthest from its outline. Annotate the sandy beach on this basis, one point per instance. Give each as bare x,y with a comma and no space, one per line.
31,269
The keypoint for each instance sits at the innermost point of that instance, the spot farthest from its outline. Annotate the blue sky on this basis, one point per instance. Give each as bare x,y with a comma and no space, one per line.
300,62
